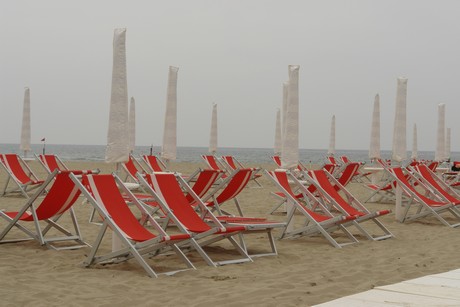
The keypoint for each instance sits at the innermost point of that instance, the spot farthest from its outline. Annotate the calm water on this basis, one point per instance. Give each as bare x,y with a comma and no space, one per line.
192,154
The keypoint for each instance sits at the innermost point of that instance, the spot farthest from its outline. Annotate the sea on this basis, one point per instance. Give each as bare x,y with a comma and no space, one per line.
193,154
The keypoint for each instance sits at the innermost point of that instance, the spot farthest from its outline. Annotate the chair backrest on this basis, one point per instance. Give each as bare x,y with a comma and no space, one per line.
50,161
237,183
322,180
429,176
167,188
350,170
398,173
332,160
281,178
204,182
230,160
329,167
433,165
13,165
153,162
131,167
107,195
277,160
212,162
60,198
345,159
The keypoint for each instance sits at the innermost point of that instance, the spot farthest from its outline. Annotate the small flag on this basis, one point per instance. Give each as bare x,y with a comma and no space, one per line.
43,139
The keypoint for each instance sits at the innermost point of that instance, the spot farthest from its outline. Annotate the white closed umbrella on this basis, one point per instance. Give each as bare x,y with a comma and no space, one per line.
440,154
447,152
169,149
25,128
414,155
290,153
374,148
132,125
284,113
278,141
331,150
117,150
399,152
213,134
399,133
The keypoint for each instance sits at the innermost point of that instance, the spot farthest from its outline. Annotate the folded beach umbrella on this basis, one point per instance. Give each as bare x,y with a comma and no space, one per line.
25,129
278,141
213,134
414,155
284,112
331,150
399,153
440,154
169,149
447,152
399,132
290,151
374,148
132,125
117,150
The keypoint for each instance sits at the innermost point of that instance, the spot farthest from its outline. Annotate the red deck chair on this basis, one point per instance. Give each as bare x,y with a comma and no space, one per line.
59,200
52,162
166,187
233,164
437,184
329,188
315,222
229,189
138,242
277,160
154,163
425,206
213,163
20,174
131,168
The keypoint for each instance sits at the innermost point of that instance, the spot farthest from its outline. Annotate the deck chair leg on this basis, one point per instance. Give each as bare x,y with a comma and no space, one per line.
181,255
91,256
238,207
202,253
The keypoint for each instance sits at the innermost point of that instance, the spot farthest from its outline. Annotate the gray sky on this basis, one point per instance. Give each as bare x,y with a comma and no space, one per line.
234,53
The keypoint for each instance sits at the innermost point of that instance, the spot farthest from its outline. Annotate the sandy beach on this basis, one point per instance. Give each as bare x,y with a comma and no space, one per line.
307,270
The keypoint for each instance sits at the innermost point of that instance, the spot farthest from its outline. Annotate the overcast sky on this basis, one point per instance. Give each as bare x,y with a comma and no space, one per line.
234,53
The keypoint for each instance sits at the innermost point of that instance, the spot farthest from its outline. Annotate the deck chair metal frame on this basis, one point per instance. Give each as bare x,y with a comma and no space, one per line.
21,175
50,162
138,242
229,189
425,204
315,223
47,209
154,163
329,188
438,186
167,189
233,164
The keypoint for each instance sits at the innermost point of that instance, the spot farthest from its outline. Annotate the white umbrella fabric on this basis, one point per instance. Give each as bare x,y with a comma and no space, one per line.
440,154
25,129
331,150
447,152
132,124
117,150
290,153
213,134
278,141
414,155
169,149
374,148
399,133
399,152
